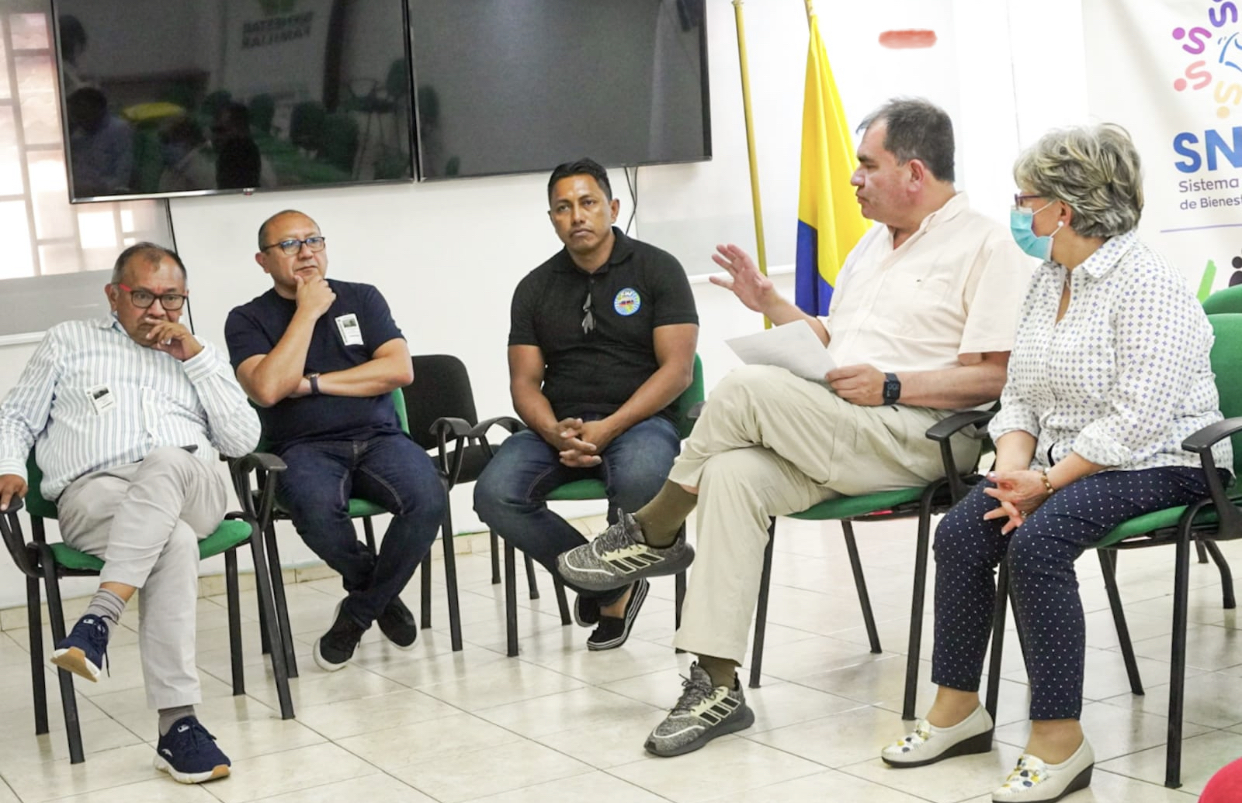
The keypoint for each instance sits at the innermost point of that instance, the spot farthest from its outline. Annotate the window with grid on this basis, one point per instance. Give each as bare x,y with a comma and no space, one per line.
52,249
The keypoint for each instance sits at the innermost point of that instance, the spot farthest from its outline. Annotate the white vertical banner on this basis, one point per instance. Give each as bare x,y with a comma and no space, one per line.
276,47
1170,72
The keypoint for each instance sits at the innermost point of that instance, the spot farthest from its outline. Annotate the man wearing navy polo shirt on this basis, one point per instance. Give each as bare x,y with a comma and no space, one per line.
601,343
320,358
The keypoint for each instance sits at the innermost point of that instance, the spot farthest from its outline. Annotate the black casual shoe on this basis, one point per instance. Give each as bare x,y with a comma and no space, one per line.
397,625
334,648
586,611
85,649
614,630
189,754
703,713
621,555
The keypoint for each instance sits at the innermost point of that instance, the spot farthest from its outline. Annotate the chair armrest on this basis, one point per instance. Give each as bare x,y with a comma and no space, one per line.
263,465
23,554
1201,443
463,436
946,428
505,422
695,410
1203,440
942,432
453,427
259,460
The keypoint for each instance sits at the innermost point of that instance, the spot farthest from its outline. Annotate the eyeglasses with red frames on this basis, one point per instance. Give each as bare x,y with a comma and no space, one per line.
143,299
1018,198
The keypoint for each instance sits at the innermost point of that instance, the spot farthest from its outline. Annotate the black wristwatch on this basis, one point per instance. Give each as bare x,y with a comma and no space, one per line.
314,383
892,388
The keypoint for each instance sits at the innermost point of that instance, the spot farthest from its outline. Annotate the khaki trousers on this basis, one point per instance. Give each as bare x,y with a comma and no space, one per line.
145,520
769,444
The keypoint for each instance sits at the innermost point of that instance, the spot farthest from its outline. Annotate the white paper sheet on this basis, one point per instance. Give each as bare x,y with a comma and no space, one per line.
793,346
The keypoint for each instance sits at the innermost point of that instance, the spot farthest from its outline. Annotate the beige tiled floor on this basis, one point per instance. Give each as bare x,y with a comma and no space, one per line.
561,723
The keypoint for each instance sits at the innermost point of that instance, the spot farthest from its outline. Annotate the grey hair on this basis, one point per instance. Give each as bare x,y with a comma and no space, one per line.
151,252
916,129
1096,170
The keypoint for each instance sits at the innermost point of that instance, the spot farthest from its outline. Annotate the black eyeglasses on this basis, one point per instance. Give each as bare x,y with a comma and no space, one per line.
291,247
588,319
142,299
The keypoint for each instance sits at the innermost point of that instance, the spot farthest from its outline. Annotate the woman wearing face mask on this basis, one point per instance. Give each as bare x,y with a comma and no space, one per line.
1108,374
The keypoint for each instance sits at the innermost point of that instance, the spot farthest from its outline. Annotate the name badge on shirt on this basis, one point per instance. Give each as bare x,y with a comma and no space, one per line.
101,399
351,332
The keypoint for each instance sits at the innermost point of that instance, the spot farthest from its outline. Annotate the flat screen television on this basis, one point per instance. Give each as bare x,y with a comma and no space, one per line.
181,97
523,85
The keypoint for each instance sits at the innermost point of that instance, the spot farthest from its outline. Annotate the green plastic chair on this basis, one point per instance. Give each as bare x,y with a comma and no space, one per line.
1224,302
918,502
358,509
591,489
40,560
1217,516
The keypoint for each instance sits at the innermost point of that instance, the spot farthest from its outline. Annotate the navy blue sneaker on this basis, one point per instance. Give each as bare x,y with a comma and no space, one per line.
189,754
85,649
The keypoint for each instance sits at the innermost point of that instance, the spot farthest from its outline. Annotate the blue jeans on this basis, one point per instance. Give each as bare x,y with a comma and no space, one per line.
389,470
510,493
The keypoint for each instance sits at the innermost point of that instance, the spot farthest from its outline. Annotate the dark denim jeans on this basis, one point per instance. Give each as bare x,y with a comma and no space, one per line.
389,470
510,494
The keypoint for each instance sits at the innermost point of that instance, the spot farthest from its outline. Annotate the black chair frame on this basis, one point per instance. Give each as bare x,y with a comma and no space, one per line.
36,560
1192,528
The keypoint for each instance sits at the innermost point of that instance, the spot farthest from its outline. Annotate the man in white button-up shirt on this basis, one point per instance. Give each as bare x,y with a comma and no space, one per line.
921,324
128,413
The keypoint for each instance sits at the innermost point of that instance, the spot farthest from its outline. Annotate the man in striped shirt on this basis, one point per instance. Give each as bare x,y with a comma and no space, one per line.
128,413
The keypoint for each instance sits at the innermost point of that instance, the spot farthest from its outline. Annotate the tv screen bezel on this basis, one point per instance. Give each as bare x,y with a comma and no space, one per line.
62,99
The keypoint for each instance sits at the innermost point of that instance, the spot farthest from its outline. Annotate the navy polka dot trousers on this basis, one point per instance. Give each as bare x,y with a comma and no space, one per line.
1040,555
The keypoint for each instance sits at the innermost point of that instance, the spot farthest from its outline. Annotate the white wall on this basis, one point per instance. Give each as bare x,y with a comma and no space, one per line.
448,254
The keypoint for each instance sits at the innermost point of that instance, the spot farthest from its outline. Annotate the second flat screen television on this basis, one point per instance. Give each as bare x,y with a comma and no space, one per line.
523,85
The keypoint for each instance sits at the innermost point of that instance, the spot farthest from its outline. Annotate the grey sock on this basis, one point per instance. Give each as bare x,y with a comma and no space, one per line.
107,606
168,716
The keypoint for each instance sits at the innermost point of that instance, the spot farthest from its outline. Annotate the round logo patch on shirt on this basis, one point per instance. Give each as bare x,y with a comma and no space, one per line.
627,302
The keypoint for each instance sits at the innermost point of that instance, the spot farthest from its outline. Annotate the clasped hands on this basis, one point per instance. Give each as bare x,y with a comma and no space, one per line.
1020,493
581,442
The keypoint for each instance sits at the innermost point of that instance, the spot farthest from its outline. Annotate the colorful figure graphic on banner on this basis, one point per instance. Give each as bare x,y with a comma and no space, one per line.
1236,277
1198,40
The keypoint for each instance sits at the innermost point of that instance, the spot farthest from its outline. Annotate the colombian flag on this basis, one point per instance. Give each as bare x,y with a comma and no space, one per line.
829,222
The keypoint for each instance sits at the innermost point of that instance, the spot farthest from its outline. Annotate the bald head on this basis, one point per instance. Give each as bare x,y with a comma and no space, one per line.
263,229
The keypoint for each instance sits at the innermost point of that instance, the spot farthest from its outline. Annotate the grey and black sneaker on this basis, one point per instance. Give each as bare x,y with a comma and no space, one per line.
335,648
703,713
619,556
613,631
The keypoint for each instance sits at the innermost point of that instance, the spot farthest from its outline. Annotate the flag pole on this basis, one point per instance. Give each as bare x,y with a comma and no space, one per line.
761,251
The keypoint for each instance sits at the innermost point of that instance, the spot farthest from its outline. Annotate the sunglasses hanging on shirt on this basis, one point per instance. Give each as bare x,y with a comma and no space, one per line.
588,318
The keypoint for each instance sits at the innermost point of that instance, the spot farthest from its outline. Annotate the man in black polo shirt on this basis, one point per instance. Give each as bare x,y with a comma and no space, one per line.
321,358
601,343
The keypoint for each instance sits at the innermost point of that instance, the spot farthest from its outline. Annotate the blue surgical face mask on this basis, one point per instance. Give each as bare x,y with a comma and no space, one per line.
1020,222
